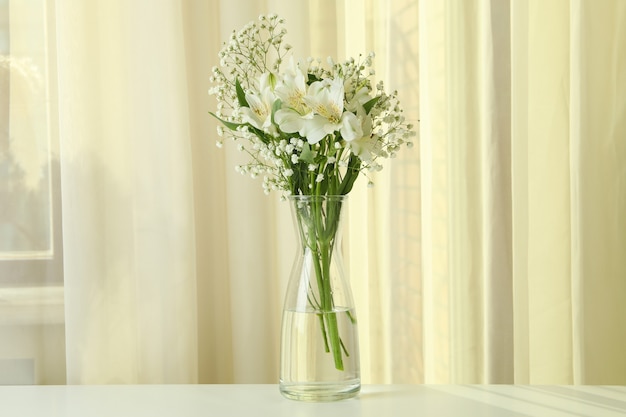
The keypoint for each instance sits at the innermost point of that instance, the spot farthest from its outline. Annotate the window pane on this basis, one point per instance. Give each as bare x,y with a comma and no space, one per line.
32,328
25,157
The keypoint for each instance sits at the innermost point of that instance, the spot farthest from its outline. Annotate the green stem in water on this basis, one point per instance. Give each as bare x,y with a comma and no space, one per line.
329,309
319,224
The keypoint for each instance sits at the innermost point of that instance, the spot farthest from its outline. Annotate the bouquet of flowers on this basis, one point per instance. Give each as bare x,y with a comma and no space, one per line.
309,129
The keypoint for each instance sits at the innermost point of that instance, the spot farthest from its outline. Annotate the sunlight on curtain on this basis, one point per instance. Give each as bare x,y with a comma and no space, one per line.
127,193
491,252
569,154
523,156
464,59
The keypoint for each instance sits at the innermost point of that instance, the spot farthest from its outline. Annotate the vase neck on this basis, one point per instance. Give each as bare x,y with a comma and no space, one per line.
318,220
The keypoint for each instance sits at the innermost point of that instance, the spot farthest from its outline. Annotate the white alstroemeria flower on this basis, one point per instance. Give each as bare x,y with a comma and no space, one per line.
291,89
351,127
367,146
360,97
325,98
290,121
259,114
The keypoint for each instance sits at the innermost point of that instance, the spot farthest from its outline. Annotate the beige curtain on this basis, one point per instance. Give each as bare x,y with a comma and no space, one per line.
491,252
127,192
523,154
569,191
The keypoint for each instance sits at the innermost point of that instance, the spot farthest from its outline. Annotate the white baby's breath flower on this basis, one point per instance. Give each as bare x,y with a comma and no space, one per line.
328,118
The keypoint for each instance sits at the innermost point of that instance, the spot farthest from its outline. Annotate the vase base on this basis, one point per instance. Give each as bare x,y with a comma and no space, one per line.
320,391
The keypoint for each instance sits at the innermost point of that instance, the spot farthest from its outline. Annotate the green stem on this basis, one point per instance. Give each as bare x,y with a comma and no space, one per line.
318,225
329,308
320,285
323,326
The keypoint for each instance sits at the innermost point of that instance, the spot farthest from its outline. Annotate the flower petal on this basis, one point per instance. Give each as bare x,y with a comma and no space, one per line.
350,127
316,128
289,120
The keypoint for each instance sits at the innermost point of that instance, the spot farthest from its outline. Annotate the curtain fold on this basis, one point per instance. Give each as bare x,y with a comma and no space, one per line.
598,189
126,185
522,203
568,187
467,195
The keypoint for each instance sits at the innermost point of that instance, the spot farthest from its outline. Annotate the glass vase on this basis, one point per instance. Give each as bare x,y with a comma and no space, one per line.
319,340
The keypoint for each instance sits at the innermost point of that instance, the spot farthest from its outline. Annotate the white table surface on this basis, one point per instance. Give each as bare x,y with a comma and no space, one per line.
265,400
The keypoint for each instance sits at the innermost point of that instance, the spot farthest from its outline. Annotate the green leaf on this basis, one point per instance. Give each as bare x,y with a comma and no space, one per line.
272,81
328,184
370,104
352,173
259,133
241,95
307,154
312,78
233,126
299,178
230,125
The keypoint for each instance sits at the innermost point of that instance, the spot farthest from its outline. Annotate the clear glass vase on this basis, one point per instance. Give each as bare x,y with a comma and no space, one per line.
319,342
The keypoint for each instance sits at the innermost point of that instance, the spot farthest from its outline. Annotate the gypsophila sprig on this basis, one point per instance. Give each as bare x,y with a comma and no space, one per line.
309,129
